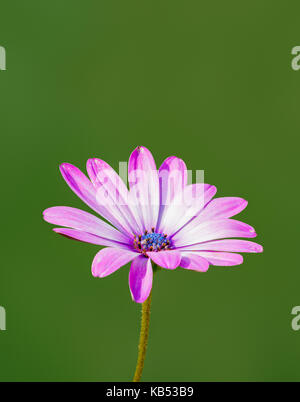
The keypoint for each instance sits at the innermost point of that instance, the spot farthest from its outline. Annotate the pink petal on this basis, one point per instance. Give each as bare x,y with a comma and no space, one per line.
223,207
144,186
85,190
233,245
218,208
80,184
224,259
186,206
213,230
109,259
165,259
112,193
81,220
140,278
89,238
172,179
194,261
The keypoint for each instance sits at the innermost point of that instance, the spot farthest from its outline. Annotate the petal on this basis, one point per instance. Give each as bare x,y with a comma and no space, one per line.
140,278
213,230
223,207
194,261
112,193
144,186
185,206
233,245
89,238
85,190
109,259
81,220
80,184
172,179
165,259
224,259
218,208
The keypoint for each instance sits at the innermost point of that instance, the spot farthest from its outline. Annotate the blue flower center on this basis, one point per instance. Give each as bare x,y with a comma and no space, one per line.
151,241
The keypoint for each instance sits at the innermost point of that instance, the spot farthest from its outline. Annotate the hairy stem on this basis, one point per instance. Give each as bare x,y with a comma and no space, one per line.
144,333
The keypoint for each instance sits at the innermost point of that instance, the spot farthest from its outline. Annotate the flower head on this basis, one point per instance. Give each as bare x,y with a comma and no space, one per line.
160,218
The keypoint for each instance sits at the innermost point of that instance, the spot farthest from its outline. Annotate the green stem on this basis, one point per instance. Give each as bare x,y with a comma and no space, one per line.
143,339
144,334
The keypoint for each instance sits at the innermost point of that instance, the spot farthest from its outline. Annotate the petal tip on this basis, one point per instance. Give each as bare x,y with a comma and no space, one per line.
140,299
63,166
244,203
89,161
137,300
94,268
66,168
259,248
45,215
140,150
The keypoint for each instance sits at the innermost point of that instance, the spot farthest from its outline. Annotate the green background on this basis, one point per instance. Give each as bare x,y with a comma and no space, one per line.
210,82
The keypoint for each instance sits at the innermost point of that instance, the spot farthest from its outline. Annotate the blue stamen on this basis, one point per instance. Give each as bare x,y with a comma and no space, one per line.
151,241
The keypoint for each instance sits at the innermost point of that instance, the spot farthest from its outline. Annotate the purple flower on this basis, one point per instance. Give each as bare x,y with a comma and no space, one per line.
161,219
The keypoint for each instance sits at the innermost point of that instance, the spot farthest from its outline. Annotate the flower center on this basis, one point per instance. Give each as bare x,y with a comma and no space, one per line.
151,241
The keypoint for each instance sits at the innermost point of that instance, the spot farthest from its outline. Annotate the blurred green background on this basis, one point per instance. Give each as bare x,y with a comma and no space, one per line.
210,82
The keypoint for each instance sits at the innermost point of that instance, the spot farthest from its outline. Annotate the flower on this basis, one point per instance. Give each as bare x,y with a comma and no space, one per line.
161,219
